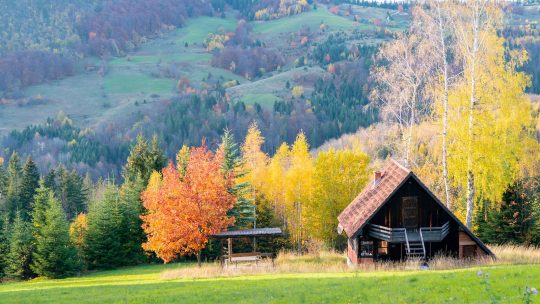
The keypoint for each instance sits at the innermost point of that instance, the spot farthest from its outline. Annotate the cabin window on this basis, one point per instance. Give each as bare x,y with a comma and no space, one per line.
410,212
469,251
366,249
382,248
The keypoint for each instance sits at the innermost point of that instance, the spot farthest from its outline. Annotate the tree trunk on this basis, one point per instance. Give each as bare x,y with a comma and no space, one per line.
470,199
445,106
199,258
472,106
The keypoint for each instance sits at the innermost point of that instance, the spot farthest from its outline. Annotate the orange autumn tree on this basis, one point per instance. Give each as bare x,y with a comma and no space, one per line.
183,211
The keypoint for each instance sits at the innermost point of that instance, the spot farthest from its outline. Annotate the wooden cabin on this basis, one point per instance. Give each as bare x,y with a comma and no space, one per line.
397,217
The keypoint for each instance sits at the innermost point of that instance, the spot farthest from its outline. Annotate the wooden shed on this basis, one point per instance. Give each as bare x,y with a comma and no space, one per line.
397,217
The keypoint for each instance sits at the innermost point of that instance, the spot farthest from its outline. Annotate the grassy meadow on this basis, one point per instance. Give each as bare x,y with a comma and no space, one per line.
319,278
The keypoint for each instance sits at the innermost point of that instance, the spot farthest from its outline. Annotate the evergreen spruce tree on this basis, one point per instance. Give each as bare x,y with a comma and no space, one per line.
19,257
143,160
244,210
13,185
3,182
104,239
517,219
71,192
39,208
50,180
54,255
29,184
4,243
156,158
132,235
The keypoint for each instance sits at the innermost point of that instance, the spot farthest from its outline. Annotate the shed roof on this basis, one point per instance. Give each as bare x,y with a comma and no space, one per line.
372,197
249,233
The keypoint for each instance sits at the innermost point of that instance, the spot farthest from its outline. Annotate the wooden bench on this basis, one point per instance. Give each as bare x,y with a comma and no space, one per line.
246,257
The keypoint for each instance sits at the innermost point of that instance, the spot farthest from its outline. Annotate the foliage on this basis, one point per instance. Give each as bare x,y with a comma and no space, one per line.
70,190
345,172
12,201
29,184
244,209
73,146
184,211
297,91
54,256
489,149
131,229
144,158
78,231
19,257
249,63
4,243
105,231
517,220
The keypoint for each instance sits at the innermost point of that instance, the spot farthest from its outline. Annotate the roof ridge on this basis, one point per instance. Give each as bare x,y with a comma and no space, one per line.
400,165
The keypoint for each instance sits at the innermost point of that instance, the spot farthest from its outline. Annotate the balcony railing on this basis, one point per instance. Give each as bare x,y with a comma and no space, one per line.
400,235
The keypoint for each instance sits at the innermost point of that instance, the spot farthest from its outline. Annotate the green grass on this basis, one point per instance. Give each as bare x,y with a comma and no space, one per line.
264,99
197,29
312,19
131,81
143,285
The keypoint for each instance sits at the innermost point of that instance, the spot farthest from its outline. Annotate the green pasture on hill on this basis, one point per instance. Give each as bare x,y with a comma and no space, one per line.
144,285
312,19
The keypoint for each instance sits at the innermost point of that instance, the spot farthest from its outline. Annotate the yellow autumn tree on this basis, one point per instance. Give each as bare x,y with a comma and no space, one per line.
338,178
276,181
254,159
489,118
299,189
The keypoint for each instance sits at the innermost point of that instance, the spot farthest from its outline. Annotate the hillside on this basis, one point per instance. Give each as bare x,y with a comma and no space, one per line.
253,71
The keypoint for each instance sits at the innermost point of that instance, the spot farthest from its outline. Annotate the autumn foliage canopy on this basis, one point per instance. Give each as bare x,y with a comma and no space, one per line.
184,210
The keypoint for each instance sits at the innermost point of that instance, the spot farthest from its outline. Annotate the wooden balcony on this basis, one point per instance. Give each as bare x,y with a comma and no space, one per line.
402,235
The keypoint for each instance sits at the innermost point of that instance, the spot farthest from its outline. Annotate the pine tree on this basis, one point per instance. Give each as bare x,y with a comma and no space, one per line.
29,184
143,160
4,243
19,256
54,254
244,209
156,158
71,192
3,181
132,235
50,180
517,219
104,244
14,184
39,207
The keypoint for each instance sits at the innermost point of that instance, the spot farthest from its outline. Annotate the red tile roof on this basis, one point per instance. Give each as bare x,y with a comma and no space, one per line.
372,197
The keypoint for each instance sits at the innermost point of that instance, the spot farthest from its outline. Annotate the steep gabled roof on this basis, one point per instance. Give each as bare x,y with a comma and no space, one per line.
378,192
372,197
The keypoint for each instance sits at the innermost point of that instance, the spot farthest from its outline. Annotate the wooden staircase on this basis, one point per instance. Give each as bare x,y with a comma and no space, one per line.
414,243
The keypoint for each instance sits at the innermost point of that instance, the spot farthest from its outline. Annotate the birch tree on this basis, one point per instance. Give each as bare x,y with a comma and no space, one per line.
438,32
401,75
489,112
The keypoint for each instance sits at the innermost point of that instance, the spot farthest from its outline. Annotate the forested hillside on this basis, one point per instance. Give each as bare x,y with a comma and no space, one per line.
189,78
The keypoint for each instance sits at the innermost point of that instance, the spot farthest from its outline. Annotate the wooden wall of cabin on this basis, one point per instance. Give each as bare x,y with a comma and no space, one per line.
468,248
430,214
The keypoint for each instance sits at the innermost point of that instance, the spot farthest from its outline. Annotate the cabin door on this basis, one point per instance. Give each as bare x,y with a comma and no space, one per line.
410,212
